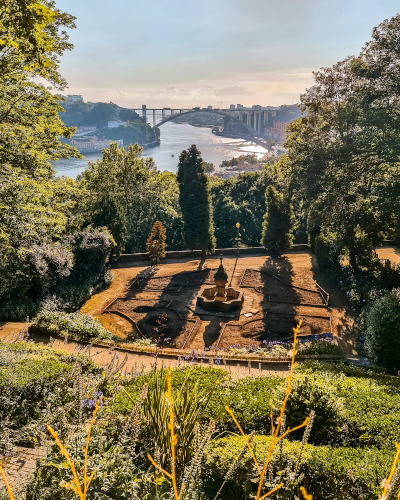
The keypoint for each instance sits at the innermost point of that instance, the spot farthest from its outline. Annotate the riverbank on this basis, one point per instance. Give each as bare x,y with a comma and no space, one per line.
175,137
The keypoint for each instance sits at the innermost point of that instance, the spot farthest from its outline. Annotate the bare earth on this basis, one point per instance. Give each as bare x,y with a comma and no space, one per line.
275,307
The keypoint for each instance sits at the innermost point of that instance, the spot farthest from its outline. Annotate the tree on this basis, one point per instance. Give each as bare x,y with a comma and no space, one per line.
30,39
382,330
195,202
271,143
109,213
345,150
278,224
208,167
156,242
144,193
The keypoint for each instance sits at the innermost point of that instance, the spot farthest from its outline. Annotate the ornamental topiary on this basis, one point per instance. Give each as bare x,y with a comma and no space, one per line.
382,330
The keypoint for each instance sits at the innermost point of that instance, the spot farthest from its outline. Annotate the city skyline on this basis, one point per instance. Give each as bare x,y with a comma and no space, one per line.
177,54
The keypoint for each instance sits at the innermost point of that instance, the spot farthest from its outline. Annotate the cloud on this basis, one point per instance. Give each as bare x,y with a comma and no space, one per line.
300,75
233,90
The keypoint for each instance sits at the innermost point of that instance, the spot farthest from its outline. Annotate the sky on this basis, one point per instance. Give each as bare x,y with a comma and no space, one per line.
186,53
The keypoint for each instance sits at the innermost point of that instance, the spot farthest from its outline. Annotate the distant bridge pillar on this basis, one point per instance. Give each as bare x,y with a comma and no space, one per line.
227,119
163,114
154,117
144,111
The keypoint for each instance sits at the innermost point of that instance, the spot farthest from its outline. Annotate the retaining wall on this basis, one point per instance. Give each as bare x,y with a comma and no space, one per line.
129,257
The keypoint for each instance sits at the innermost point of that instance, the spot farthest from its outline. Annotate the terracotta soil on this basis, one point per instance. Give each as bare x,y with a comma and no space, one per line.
390,253
171,289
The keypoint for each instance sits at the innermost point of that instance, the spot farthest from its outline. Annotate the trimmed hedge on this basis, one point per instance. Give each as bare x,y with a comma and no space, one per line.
329,473
352,407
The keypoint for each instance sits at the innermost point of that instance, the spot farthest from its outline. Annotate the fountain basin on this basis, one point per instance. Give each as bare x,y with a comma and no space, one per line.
209,300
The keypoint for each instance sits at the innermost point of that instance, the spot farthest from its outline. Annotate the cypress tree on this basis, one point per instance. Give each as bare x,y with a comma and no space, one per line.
195,202
278,224
156,242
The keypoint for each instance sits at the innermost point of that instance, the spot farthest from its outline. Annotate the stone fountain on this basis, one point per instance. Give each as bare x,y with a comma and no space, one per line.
219,297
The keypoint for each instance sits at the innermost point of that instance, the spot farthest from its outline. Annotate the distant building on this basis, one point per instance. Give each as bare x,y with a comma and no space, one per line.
244,165
277,132
116,124
232,106
72,99
90,144
239,106
209,107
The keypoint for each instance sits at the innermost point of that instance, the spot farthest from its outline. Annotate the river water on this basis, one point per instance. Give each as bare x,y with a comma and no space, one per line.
175,137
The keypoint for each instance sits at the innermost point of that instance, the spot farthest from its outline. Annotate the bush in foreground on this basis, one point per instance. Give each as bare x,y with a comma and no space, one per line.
72,325
382,330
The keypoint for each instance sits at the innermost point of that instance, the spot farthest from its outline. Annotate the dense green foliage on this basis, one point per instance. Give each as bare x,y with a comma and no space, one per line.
381,330
70,325
36,388
195,202
144,193
327,473
278,224
156,242
351,450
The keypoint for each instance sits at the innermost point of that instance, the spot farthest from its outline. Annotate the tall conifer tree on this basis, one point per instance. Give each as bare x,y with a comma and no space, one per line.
195,202
279,223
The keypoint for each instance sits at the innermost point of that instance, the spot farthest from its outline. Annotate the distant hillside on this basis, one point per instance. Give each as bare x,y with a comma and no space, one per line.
98,114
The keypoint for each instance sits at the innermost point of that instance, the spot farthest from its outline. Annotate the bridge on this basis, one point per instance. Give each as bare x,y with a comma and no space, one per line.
240,122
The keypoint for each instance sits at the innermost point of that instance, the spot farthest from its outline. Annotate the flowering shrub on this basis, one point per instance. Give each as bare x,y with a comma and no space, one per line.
316,344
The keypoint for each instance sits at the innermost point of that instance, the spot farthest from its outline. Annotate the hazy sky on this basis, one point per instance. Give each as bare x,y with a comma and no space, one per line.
176,53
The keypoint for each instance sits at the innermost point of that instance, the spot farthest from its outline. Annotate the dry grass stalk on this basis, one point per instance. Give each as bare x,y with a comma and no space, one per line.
7,484
74,485
275,431
306,496
386,483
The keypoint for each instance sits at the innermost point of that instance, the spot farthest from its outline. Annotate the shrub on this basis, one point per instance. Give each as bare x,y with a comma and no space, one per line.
318,393
328,473
382,330
91,248
73,325
35,386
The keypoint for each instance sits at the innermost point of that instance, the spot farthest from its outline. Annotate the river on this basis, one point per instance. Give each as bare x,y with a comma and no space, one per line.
175,137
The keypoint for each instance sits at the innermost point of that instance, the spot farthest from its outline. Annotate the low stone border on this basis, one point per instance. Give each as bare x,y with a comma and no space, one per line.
128,257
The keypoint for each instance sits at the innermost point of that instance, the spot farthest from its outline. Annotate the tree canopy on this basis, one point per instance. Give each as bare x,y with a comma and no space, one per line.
195,201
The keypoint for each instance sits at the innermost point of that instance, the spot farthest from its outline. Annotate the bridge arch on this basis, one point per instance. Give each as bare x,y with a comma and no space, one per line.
216,112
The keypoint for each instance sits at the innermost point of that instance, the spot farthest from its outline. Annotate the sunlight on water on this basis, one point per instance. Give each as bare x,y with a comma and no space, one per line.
175,138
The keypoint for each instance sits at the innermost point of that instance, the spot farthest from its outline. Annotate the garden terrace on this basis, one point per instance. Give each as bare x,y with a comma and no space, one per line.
277,294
